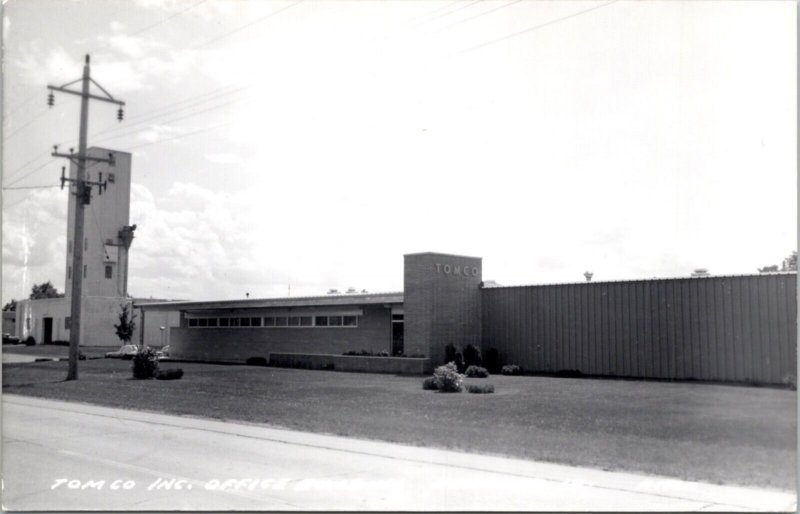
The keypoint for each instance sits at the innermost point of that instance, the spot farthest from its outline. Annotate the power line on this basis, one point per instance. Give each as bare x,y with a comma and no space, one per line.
154,25
29,187
28,174
246,25
178,136
167,19
7,176
190,115
484,13
448,13
535,27
170,111
20,129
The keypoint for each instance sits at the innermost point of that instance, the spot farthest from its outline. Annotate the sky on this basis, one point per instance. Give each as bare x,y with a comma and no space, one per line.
291,147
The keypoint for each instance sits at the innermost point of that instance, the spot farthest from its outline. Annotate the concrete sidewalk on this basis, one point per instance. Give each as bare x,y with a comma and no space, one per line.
227,465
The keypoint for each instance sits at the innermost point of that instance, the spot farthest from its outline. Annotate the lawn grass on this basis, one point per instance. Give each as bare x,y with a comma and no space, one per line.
713,433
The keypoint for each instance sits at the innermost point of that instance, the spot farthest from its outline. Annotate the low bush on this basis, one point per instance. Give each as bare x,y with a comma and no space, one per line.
256,361
145,364
790,381
480,388
169,374
491,360
511,369
472,356
382,354
30,341
448,379
477,372
429,384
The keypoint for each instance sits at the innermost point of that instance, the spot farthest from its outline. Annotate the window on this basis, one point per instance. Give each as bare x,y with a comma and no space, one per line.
202,322
280,321
269,322
350,321
321,321
294,321
306,321
397,317
108,272
255,322
69,272
224,322
212,322
335,321
67,323
235,322
193,322
84,271
244,322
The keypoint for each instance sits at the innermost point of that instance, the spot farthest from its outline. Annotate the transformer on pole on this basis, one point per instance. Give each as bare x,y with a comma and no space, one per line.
83,190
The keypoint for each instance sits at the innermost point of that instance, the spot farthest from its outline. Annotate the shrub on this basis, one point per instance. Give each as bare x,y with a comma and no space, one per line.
511,369
429,384
30,341
448,379
382,354
145,364
472,356
480,388
256,361
790,381
459,362
491,360
169,374
477,372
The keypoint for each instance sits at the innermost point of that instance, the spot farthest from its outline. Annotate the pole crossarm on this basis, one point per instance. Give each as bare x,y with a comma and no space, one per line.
72,156
88,95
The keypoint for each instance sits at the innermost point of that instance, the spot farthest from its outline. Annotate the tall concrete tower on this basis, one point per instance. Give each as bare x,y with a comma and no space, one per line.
107,232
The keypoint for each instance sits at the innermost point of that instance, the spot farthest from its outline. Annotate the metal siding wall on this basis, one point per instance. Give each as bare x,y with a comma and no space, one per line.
716,328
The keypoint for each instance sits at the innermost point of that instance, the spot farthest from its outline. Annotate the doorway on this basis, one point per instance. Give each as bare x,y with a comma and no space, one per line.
48,330
398,325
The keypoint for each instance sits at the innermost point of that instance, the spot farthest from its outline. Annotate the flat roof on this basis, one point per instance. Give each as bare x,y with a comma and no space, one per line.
629,280
297,301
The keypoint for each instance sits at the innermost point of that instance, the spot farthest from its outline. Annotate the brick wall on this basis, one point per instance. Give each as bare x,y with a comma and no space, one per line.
238,344
441,303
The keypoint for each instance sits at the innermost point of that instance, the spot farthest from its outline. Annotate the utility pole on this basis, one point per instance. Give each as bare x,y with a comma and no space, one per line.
83,192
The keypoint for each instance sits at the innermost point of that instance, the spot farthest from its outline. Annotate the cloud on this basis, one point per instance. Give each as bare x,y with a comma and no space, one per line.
223,158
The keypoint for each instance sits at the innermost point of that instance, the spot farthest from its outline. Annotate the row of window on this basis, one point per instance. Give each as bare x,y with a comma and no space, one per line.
275,321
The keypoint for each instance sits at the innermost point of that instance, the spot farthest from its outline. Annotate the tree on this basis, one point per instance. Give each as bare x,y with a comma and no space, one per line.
44,290
10,306
790,263
127,324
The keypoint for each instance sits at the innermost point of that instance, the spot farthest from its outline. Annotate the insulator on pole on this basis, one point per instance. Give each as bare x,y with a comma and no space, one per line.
51,99
120,114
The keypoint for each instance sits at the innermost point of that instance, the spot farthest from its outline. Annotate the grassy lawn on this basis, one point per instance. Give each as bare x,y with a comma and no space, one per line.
713,433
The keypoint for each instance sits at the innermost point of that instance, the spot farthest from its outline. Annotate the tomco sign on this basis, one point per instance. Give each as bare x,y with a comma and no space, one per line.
448,269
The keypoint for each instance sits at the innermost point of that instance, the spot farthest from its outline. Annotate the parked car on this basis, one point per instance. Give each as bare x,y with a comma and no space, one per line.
127,351
163,352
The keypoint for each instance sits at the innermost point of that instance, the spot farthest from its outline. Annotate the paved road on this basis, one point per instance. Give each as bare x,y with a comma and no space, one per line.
70,456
